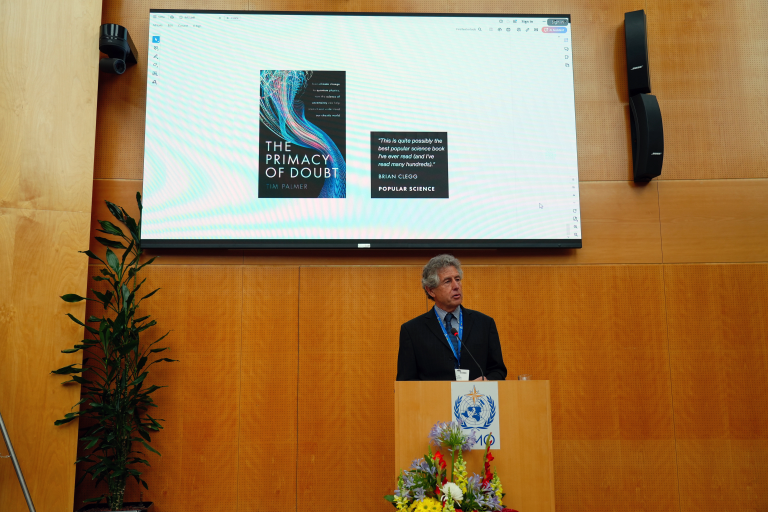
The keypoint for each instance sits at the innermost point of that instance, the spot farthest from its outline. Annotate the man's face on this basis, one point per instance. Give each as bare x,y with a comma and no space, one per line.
447,294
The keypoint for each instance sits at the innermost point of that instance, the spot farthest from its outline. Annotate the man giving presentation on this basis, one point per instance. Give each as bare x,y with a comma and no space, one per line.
441,343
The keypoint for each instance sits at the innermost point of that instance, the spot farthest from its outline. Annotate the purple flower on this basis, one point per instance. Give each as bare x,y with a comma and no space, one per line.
437,431
418,464
451,437
474,483
470,442
418,493
493,502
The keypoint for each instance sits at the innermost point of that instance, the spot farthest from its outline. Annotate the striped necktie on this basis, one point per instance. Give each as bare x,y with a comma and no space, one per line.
448,329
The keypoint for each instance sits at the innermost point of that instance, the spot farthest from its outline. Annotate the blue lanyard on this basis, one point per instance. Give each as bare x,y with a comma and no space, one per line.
461,334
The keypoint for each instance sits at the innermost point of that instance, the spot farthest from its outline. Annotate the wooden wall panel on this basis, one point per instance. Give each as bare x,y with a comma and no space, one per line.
48,92
200,406
268,416
714,220
122,99
349,325
47,141
718,333
38,263
707,71
615,475
598,334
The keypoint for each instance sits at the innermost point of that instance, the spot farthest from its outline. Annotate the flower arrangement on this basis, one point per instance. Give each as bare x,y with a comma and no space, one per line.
427,487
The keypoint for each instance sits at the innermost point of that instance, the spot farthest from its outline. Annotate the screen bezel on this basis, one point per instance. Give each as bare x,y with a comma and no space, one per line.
218,243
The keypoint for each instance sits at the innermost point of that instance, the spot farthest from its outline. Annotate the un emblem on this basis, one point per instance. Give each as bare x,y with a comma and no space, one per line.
474,410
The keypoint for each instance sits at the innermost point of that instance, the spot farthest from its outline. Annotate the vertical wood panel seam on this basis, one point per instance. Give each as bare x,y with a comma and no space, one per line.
298,379
658,209
240,389
671,384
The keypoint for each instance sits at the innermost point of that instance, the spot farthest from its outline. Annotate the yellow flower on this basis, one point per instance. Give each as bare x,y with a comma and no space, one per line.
496,486
428,505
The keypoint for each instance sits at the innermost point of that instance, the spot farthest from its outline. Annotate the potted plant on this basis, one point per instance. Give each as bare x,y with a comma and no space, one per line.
115,399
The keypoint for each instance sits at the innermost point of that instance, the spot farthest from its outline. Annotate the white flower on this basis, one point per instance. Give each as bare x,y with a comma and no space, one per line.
454,491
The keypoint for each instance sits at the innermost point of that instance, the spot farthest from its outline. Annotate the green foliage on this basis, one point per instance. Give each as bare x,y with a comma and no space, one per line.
115,401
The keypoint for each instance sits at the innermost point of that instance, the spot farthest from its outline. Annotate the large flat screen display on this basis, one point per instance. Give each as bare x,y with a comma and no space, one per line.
278,129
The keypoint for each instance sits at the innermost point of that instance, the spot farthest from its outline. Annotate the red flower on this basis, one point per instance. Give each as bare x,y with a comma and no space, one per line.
440,461
437,491
488,459
508,510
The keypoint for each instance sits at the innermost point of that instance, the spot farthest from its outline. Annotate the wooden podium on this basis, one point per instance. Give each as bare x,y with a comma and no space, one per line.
524,461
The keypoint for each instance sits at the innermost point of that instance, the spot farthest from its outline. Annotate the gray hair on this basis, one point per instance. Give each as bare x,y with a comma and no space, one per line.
429,277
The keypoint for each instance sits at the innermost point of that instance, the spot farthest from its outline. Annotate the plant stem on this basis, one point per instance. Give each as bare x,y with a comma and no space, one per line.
453,463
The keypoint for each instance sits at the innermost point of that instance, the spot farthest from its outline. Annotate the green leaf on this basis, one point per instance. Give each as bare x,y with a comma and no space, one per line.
71,297
92,444
106,298
147,326
67,370
138,201
70,350
112,261
132,227
150,448
144,434
115,210
150,294
93,256
148,262
128,251
110,228
156,350
139,379
110,243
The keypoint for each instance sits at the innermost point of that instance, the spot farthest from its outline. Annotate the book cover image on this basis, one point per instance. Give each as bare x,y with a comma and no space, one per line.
302,134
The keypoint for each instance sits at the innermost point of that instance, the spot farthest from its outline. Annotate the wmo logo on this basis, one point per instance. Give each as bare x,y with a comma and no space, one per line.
474,410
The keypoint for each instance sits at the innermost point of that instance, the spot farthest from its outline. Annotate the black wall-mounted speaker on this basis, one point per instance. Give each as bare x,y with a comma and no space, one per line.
638,71
647,136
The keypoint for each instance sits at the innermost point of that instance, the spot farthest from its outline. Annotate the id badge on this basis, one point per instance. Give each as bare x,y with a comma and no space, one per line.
462,375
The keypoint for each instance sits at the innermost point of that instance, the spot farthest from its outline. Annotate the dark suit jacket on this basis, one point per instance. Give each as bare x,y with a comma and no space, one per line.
426,355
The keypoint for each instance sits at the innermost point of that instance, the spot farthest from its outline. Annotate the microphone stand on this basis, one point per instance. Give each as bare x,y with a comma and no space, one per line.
456,333
16,466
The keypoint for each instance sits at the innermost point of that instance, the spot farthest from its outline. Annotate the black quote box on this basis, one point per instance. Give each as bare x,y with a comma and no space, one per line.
324,101
408,165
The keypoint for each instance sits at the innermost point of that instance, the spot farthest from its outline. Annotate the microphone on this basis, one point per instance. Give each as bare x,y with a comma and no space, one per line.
456,333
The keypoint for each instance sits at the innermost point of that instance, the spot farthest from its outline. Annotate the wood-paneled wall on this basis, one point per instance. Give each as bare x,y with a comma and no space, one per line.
654,336
48,89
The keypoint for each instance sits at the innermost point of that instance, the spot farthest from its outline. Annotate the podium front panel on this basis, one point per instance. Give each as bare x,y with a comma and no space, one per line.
524,461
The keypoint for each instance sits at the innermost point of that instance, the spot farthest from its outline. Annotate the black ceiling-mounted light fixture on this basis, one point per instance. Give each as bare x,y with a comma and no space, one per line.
115,41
